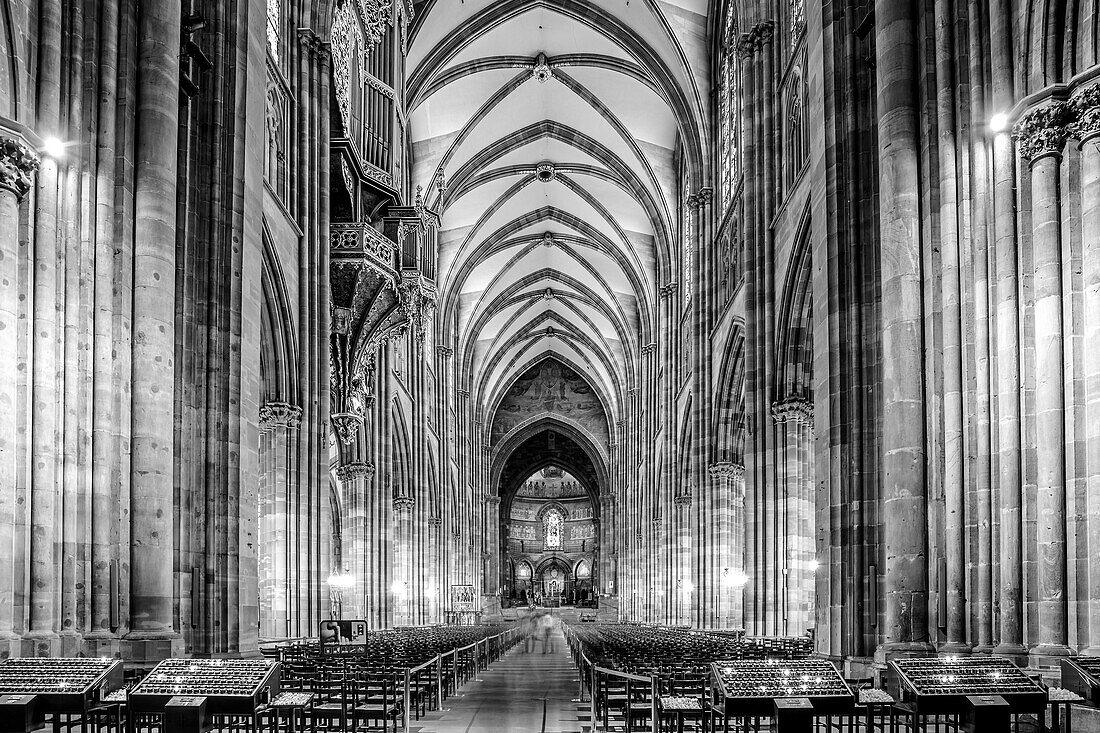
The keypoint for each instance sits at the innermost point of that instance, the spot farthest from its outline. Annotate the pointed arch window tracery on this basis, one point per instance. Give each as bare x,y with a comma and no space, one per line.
729,111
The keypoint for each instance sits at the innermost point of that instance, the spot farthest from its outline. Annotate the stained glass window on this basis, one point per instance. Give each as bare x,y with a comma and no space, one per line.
555,528
729,112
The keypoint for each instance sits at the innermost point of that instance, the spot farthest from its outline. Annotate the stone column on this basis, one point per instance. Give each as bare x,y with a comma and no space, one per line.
795,418
492,545
436,575
18,163
354,479
1041,136
1009,476
402,558
722,474
277,419
153,631
737,542
1087,129
903,495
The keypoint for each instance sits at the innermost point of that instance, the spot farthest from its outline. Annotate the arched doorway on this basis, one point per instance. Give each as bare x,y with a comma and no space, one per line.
549,530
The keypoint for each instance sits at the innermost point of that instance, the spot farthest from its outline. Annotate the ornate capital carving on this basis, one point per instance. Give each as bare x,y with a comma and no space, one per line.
403,503
725,469
491,500
346,425
607,497
667,291
417,295
1087,104
352,471
657,523
464,394
18,163
620,425
764,31
376,18
705,195
683,500
794,410
445,351
275,415
638,535
649,349
1044,131
435,522
746,46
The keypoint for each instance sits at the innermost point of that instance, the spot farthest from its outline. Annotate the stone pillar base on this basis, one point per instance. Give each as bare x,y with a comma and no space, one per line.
955,647
145,650
902,649
1049,655
1016,652
41,644
102,644
72,644
10,645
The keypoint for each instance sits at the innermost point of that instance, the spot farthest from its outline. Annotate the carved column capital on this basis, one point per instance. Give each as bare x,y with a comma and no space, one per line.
1087,105
491,500
764,31
403,503
668,290
607,498
275,415
657,522
18,163
435,522
794,410
445,351
746,46
638,535
725,469
649,349
1044,131
464,394
351,471
346,425
683,500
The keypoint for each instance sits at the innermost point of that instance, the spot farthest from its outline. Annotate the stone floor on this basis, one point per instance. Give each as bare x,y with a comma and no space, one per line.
523,693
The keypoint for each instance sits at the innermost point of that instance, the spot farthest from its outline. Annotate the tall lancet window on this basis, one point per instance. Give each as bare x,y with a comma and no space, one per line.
555,528
273,16
729,112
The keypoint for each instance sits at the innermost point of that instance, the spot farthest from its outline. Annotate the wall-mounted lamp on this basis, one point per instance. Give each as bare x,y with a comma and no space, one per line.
53,147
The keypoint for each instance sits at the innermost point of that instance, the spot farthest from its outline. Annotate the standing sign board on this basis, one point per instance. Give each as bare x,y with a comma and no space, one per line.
337,636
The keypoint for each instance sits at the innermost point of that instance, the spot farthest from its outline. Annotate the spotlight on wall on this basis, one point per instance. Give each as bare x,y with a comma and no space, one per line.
53,147
814,565
340,580
687,586
998,122
734,578
398,588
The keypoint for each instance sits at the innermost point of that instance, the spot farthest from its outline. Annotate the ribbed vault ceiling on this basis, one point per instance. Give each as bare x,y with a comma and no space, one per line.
556,124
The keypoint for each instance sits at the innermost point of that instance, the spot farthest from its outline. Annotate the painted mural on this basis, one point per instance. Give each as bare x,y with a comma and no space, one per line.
553,387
